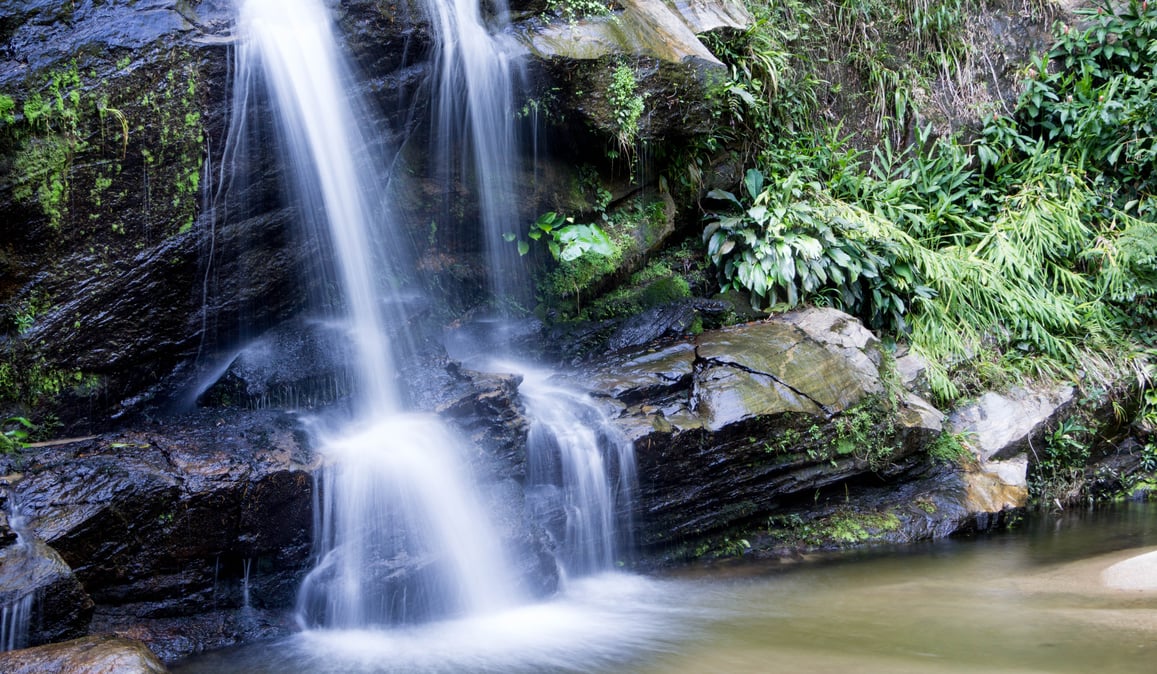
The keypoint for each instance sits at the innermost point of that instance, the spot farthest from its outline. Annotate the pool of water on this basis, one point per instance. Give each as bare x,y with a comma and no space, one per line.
1026,600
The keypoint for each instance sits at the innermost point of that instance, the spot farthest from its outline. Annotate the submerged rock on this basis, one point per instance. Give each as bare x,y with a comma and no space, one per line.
91,655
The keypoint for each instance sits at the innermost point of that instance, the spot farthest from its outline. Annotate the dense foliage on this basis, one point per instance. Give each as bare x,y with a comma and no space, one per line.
1034,241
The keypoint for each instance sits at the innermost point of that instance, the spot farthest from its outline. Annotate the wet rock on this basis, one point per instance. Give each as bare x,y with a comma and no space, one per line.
746,422
168,521
90,655
492,417
673,319
296,365
58,609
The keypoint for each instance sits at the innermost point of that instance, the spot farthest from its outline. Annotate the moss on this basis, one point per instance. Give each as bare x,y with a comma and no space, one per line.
7,106
36,384
43,168
846,527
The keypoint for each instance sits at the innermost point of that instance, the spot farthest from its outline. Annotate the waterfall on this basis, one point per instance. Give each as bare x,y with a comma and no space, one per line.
15,619
581,471
581,476
474,117
400,535
16,612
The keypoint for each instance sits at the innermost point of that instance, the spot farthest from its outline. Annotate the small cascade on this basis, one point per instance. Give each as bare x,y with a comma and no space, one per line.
15,620
403,535
16,612
399,534
581,476
581,470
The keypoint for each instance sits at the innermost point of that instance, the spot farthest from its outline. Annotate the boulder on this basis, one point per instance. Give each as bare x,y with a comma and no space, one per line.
103,654
1003,425
658,28
179,519
1003,430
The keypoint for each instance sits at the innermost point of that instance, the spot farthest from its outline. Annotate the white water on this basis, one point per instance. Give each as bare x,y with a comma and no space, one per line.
400,505
15,619
294,43
475,126
580,466
400,536
16,614
581,472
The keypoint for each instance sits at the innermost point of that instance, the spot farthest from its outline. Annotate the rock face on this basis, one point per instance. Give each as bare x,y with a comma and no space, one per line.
747,422
195,533
165,522
799,431
1002,429
90,655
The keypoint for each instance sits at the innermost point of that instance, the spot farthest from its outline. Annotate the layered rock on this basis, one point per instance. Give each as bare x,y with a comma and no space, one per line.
740,424
170,521
800,431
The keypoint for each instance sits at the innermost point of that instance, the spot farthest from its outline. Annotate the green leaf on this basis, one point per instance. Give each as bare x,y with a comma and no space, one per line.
523,247
724,195
753,181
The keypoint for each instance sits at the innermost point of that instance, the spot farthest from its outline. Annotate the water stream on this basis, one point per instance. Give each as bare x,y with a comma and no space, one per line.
474,126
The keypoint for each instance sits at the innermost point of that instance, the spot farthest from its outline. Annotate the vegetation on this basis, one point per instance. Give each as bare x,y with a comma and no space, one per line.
950,448
572,10
1058,473
867,432
627,105
844,527
13,434
1034,240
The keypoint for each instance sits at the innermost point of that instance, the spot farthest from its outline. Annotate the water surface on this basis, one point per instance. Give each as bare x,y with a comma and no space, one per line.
1028,600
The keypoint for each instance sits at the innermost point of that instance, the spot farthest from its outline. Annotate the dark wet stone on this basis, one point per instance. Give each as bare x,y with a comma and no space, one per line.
160,522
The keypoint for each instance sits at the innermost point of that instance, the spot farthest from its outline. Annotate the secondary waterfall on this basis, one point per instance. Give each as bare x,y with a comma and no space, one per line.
400,535
474,127
581,473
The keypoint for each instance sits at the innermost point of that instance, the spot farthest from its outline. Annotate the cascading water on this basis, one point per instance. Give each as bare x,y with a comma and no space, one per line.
400,535
581,476
580,471
16,612
475,78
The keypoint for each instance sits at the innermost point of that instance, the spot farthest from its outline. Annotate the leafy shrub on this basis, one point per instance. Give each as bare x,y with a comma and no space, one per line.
790,246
